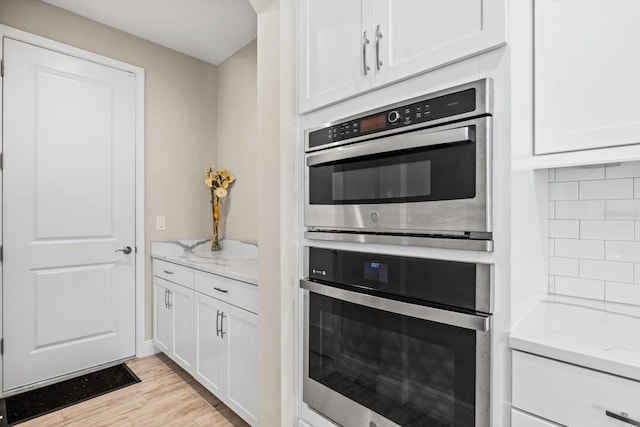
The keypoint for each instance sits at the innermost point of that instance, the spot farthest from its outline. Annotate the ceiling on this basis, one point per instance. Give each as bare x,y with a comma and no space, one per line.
210,30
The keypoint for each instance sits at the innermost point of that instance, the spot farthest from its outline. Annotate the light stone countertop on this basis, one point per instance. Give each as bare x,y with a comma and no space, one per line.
594,334
236,260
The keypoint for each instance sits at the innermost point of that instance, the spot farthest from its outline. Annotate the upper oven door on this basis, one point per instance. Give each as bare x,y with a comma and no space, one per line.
428,181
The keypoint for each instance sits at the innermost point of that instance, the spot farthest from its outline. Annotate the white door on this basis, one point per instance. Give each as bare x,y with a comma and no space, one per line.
69,204
334,52
418,36
209,344
181,307
161,315
240,329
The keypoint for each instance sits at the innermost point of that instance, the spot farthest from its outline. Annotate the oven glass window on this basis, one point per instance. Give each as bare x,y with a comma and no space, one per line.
425,174
411,371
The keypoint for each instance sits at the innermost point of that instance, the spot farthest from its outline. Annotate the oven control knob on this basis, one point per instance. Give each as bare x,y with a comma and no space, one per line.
393,116
374,216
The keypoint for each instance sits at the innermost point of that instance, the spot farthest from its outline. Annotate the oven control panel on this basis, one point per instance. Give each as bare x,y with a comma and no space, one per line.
420,110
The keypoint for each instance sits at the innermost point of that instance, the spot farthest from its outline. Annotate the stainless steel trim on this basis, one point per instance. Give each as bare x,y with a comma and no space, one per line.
364,53
416,139
348,413
451,216
484,105
623,416
224,291
378,37
426,242
432,314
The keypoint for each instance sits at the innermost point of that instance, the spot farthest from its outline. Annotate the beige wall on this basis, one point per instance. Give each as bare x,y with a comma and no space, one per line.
180,116
237,145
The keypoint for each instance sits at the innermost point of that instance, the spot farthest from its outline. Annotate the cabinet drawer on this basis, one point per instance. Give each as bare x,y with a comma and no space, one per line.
520,419
234,292
571,395
173,272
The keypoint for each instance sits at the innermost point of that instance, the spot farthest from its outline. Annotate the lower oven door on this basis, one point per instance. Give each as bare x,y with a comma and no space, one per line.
370,361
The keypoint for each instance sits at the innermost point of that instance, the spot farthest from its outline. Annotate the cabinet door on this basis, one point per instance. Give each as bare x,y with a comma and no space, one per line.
587,77
241,338
161,316
332,50
181,306
418,36
209,344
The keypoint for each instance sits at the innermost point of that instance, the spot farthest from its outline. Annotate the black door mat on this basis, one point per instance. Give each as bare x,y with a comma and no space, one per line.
41,401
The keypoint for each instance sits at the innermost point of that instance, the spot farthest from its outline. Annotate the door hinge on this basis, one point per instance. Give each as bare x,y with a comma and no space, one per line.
1,253
1,346
2,67
1,160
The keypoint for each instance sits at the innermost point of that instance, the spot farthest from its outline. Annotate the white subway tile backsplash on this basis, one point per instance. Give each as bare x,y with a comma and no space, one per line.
580,173
606,270
607,230
563,266
622,251
594,232
580,209
622,293
606,189
564,191
583,288
575,248
622,209
569,228
622,170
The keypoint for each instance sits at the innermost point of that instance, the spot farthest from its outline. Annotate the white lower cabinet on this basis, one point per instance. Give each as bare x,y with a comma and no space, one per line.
571,395
173,321
211,332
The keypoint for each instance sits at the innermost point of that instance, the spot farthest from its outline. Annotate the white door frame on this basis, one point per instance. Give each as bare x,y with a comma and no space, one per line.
143,348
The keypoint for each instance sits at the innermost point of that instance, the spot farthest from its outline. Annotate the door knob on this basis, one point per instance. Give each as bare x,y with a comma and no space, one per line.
126,250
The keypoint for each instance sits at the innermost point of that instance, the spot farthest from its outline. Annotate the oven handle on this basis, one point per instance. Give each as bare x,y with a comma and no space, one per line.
405,141
447,317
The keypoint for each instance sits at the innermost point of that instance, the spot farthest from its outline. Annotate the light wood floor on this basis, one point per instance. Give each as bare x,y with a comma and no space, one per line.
167,396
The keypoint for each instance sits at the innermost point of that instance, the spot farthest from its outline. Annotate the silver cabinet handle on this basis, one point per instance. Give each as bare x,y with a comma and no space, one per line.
169,299
364,53
378,37
224,291
168,271
222,316
622,416
166,298
217,323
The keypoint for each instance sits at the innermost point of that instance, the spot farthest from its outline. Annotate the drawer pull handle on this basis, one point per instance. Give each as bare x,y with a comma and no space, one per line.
624,417
168,271
224,291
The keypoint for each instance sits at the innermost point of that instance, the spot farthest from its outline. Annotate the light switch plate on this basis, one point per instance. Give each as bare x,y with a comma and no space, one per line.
161,223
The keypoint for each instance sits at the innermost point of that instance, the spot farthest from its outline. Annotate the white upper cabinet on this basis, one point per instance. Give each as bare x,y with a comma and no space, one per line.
587,76
417,36
347,47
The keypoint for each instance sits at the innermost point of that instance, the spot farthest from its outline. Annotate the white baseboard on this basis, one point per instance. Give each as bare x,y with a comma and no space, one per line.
147,349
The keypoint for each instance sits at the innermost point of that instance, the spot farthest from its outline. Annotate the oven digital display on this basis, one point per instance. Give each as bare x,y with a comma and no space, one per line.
376,271
373,123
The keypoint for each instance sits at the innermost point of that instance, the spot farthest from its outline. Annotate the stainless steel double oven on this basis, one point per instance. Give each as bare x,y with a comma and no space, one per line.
399,340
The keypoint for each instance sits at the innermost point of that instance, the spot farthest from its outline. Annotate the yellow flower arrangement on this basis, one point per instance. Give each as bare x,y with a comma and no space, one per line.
218,182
